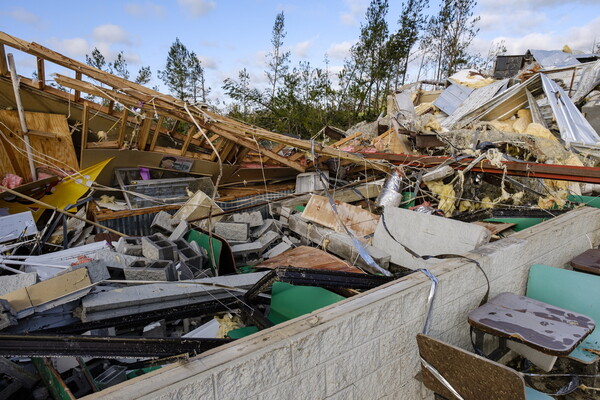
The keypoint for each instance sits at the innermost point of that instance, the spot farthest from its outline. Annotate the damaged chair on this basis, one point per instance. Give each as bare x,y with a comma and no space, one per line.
457,374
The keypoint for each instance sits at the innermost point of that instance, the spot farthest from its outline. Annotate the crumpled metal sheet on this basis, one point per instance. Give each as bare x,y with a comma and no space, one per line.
554,58
572,124
588,81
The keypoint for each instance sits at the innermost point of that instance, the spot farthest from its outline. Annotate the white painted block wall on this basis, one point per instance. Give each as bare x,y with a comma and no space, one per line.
365,347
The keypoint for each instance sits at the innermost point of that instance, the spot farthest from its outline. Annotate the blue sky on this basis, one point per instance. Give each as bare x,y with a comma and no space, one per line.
229,35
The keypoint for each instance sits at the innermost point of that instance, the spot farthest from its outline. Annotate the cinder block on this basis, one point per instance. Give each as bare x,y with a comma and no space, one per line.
97,270
164,222
188,256
156,248
158,270
309,182
10,283
253,219
268,239
267,225
180,231
130,245
184,272
234,231
277,250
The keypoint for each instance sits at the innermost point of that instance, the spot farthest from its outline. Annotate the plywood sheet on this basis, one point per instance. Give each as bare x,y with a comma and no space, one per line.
55,145
308,257
361,222
473,377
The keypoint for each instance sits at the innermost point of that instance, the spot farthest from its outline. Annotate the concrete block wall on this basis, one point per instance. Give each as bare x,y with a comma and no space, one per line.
365,347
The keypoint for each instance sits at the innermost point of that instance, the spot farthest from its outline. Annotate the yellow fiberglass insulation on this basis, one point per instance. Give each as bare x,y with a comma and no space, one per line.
503,126
446,195
523,120
537,130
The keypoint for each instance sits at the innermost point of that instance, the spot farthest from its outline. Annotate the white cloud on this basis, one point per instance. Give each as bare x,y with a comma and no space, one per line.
301,49
356,8
209,43
22,15
110,33
522,22
197,8
578,38
208,62
75,47
144,10
339,51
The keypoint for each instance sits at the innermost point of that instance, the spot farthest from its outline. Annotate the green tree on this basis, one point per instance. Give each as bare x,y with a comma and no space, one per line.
97,60
119,66
144,76
176,73
449,34
278,59
197,82
366,70
399,46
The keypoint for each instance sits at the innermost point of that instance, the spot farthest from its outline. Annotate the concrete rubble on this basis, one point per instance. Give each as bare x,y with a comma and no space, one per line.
170,263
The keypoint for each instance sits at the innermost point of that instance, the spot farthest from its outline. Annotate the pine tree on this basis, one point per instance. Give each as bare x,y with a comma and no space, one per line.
176,73
120,66
400,44
144,76
197,83
97,60
278,59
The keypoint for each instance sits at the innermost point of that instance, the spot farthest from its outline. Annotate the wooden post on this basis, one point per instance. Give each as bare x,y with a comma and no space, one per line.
3,64
157,132
15,82
41,73
111,107
77,92
84,132
123,128
144,132
188,139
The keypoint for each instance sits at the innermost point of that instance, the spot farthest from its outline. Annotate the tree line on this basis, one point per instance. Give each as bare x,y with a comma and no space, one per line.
301,99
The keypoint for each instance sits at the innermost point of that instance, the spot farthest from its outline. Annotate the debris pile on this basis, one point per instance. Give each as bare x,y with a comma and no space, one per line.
172,229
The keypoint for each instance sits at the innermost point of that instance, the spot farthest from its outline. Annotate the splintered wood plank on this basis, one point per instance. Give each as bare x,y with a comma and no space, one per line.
3,63
159,125
123,128
361,222
78,76
308,257
144,132
345,140
188,139
41,73
84,132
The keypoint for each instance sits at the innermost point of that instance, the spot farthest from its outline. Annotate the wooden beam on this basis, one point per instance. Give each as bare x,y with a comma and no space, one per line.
176,152
111,107
188,139
78,77
345,140
41,73
144,132
84,132
3,63
122,128
159,125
